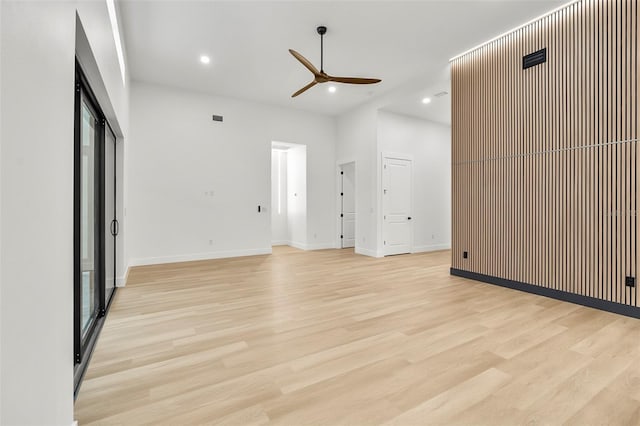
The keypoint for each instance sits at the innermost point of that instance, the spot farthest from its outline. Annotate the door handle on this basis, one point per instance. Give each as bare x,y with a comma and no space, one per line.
409,218
117,227
114,227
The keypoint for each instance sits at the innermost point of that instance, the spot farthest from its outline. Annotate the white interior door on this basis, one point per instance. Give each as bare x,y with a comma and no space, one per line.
348,214
396,208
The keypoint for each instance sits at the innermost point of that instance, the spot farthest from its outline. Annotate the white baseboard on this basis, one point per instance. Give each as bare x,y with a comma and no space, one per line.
320,246
433,247
367,252
198,256
303,246
280,243
297,245
121,281
126,277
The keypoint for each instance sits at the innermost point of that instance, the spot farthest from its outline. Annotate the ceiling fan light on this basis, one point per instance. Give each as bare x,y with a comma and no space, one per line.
332,89
205,59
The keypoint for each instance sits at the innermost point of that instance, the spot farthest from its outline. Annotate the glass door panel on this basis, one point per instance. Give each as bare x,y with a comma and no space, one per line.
89,218
111,224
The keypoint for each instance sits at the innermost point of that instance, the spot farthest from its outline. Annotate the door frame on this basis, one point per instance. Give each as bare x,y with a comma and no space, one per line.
393,156
83,348
339,165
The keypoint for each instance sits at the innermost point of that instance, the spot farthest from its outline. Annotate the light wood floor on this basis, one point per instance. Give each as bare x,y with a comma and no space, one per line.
333,338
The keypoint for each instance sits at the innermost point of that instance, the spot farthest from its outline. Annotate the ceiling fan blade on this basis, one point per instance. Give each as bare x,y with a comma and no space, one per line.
304,89
354,80
304,61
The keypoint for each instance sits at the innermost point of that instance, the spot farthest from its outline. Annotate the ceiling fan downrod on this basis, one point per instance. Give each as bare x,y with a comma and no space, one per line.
322,30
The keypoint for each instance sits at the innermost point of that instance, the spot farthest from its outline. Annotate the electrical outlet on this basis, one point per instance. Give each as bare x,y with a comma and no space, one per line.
465,255
630,281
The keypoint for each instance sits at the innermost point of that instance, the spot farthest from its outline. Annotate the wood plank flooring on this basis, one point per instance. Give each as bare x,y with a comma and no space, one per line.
333,338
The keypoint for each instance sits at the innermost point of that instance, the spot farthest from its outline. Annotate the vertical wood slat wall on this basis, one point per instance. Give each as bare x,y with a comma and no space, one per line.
545,159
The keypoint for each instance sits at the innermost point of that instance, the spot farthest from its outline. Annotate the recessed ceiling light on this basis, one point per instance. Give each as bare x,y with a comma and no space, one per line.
205,59
426,100
332,89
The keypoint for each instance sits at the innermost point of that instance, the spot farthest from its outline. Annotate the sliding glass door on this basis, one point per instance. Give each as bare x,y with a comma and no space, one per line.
95,222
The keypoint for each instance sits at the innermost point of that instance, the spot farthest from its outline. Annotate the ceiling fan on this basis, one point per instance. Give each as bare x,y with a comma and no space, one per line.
321,76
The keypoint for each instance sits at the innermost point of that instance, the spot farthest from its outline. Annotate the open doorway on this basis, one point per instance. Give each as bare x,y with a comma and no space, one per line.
288,194
348,205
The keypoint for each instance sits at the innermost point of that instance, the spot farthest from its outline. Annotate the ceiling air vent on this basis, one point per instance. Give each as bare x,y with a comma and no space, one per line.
441,94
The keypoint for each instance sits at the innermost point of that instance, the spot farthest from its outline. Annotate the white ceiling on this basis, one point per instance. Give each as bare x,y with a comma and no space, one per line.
405,43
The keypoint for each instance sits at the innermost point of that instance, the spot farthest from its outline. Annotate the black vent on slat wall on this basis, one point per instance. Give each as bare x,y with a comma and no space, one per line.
535,58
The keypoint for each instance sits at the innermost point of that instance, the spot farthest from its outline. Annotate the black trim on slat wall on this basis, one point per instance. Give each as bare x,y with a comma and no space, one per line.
591,302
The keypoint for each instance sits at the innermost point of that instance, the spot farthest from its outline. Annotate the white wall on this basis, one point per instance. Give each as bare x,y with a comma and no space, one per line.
279,223
357,141
177,157
1,34
38,43
103,68
363,135
429,144
95,50
37,199
297,197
